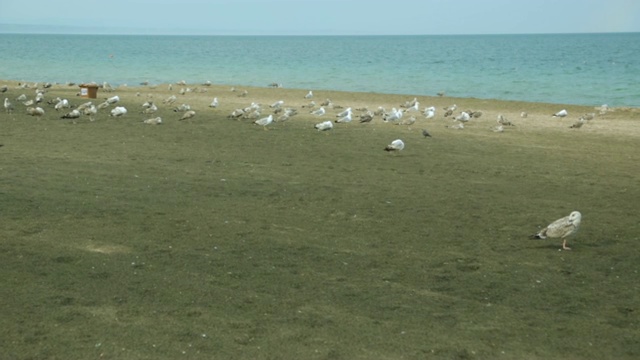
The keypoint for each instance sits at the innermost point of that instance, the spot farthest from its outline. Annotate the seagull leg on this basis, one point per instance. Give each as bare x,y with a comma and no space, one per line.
564,245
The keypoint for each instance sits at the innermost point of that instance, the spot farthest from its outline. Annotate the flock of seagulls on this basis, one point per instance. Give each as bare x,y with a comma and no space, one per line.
405,114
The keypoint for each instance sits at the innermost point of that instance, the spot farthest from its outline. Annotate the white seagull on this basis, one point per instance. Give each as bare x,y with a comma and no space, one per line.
62,104
464,117
430,112
277,104
561,113
214,103
345,112
118,111
561,228
319,112
8,106
264,121
309,95
395,114
324,126
113,99
153,121
345,119
396,145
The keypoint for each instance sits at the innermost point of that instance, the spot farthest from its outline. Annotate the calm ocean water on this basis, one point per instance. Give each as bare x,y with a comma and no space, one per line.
587,69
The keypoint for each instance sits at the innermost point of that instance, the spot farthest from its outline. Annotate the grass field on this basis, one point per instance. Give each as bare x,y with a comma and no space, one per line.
214,239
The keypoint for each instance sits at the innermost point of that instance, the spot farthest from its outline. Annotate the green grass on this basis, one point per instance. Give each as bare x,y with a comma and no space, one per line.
214,239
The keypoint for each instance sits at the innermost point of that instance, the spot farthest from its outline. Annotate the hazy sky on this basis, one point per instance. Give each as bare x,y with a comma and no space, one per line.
320,17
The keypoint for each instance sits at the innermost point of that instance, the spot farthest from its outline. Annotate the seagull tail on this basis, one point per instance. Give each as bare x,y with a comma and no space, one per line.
537,236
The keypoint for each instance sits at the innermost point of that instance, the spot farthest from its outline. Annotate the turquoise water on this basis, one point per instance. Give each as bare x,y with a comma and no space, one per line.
586,69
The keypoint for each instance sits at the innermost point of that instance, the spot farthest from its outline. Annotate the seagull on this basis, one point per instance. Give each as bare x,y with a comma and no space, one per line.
152,108
187,115
561,228
277,104
170,100
561,113
118,111
578,124
81,107
264,121
414,107
426,133
601,109
503,121
8,106
464,117
37,111
153,121
430,112
524,114
366,117
73,114
498,128
113,99
345,112
396,145
182,108
319,112
346,118
62,104
410,121
309,95
588,116
324,126
214,103
90,111
394,115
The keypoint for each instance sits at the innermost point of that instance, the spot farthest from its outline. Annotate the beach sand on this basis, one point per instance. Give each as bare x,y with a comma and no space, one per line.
618,121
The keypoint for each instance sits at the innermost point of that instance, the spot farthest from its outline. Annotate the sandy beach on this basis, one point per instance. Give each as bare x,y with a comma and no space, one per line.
619,121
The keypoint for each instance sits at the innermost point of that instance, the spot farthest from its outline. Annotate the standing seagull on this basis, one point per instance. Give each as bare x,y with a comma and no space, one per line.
561,228
8,106
264,121
396,145
309,95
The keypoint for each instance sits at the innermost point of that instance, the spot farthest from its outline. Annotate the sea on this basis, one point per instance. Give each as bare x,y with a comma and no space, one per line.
581,69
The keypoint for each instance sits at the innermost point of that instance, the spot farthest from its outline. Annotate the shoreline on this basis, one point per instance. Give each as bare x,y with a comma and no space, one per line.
162,88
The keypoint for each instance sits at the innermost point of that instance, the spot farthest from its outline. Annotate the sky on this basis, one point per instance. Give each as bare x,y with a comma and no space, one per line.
319,17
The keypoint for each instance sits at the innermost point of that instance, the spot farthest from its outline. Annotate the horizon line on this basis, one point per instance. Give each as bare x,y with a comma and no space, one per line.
23,29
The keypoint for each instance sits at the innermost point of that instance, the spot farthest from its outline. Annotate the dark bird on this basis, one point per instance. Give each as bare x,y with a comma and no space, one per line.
425,133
